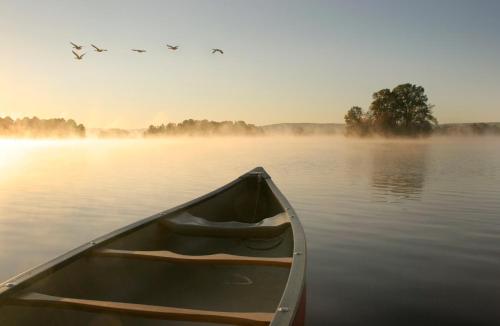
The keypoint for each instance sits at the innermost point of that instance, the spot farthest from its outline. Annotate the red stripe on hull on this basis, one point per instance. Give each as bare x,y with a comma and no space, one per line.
300,316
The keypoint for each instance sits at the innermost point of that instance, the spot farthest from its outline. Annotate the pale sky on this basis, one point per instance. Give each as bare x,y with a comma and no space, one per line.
284,61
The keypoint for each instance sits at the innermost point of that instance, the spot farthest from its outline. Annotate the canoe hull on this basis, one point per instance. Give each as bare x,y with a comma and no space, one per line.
243,240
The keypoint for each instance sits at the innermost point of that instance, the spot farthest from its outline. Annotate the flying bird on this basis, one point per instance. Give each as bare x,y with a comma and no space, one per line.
139,50
98,49
75,46
78,56
172,47
217,50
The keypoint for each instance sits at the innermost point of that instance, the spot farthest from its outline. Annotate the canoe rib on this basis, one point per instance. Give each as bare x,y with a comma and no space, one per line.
205,259
160,312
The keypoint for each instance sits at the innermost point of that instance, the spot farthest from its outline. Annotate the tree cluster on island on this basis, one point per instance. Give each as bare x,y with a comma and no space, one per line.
402,111
192,127
40,128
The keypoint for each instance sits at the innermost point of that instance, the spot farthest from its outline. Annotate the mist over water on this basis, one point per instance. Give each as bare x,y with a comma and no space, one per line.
399,231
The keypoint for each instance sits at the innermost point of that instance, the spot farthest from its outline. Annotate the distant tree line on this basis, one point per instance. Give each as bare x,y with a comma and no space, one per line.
40,128
203,128
113,133
468,129
402,111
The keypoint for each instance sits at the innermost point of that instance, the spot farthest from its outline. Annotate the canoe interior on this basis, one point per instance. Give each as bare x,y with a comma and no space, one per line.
215,287
250,200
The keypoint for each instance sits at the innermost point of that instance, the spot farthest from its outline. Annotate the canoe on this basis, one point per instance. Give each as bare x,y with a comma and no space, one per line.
236,256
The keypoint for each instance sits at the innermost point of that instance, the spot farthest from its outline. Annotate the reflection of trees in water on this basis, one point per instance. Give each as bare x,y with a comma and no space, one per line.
399,170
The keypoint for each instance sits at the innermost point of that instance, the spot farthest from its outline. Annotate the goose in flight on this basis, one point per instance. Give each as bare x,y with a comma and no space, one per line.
78,56
98,49
217,50
139,50
172,47
75,46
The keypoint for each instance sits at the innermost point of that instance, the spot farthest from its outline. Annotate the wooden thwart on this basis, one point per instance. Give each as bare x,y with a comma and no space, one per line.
160,312
205,259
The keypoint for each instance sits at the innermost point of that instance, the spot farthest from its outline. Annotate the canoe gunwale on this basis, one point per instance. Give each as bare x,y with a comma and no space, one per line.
295,288
290,301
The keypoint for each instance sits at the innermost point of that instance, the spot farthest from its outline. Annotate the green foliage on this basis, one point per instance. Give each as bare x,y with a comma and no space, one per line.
203,127
404,110
40,128
357,122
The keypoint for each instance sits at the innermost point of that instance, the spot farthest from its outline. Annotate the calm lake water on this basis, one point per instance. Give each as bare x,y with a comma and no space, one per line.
399,232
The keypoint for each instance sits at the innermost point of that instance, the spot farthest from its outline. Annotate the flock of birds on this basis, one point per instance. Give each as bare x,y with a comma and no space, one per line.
79,56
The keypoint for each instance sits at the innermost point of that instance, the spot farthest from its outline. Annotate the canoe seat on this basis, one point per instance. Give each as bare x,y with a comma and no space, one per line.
186,223
223,259
151,311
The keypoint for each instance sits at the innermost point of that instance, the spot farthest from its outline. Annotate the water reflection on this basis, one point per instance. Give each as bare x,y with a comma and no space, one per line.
432,260
398,171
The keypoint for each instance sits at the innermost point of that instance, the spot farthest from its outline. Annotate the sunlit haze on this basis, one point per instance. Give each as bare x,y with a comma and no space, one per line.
283,61
353,145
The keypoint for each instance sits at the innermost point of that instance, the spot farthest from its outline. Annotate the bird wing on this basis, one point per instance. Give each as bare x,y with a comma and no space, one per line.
95,47
81,56
76,54
222,52
73,44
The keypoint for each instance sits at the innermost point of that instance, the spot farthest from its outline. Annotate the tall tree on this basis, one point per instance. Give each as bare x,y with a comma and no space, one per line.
404,111
357,122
